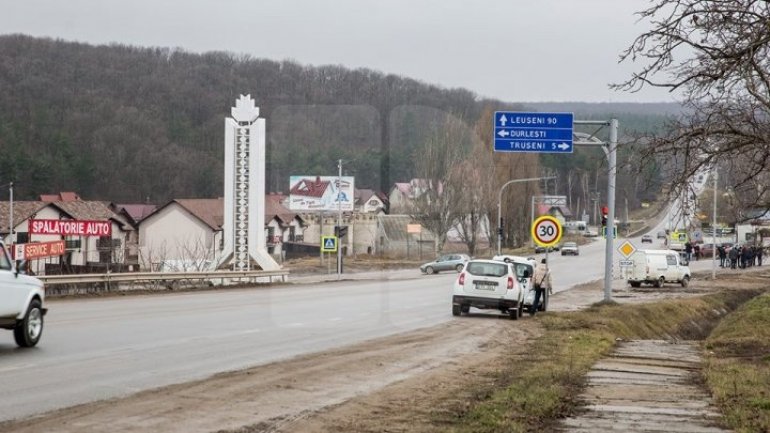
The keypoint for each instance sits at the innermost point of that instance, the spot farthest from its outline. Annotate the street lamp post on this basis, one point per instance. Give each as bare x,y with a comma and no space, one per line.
714,229
500,207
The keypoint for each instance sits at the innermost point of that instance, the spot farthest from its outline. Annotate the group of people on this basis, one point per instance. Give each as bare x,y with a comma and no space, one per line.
740,256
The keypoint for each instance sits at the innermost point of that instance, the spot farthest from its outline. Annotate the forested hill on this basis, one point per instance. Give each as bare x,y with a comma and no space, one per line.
128,124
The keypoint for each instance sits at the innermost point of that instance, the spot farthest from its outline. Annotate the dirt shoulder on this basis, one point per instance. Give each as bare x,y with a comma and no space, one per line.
415,382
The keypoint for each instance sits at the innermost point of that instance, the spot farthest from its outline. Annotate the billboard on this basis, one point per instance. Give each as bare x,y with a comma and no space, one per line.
38,250
70,228
321,193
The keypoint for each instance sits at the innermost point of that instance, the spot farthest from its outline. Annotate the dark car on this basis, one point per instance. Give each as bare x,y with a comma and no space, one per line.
447,262
647,239
539,249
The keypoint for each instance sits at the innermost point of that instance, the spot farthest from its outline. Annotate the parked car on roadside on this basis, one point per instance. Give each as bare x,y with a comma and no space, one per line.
447,262
21,302
490,284
539,249
570,248
661,234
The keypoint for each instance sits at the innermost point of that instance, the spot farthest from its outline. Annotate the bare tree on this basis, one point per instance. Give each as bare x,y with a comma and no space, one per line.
436,201
478,185
716,53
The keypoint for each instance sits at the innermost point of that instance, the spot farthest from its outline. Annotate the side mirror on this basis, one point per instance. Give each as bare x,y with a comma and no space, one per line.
20,268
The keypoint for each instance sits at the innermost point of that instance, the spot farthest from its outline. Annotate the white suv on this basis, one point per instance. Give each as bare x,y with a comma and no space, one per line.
21,302
490,284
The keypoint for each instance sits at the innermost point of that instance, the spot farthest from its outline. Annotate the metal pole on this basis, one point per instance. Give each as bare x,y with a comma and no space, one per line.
339,220
500,205
714,230
612,156
11,239
532,215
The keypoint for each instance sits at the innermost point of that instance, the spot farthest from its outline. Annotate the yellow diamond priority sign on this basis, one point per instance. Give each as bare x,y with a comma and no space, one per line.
626,248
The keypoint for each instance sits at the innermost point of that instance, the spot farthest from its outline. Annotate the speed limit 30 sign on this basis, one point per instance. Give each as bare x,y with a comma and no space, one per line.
546,231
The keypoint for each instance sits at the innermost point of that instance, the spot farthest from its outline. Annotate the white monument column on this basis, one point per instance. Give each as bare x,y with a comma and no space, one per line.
244,213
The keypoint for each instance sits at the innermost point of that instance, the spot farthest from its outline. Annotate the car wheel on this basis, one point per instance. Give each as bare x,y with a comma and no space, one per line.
465,309
456,310
513,313
27,333
429,270
685,281
563,253
659,282
459,268
635,284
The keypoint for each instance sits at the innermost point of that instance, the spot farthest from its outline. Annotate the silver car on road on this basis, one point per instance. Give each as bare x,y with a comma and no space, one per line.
447,262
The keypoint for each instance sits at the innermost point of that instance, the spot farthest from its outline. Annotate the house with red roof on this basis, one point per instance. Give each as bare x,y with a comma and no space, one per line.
82,253
186,234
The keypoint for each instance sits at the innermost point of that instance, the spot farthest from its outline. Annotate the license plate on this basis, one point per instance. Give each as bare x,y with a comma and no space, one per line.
484,285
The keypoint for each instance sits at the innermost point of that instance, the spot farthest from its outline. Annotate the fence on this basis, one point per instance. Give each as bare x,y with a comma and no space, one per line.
108,282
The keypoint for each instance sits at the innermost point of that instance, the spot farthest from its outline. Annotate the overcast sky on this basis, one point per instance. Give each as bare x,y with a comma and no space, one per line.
513,50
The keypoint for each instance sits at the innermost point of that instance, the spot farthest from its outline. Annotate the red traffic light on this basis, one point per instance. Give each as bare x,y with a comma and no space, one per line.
605,210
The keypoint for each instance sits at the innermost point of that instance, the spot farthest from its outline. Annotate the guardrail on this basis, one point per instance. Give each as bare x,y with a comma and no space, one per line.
141,277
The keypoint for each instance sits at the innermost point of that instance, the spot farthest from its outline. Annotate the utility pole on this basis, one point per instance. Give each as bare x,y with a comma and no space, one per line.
339,220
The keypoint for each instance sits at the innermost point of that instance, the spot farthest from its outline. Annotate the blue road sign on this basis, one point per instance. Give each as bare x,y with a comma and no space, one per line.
533,132
329,244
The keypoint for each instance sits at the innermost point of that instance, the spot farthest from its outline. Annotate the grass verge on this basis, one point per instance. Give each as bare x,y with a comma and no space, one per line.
738,366
536,389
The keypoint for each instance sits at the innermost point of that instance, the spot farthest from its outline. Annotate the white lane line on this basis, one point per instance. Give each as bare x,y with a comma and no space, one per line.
335,319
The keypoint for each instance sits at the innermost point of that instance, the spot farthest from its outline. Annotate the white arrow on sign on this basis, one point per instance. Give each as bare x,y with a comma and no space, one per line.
503,133
563,146
503,120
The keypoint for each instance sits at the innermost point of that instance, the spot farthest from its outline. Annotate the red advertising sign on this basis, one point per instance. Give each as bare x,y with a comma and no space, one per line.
38,249
70,228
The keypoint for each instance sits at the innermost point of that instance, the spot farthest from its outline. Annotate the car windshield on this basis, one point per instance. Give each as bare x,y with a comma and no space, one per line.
487,269
570,244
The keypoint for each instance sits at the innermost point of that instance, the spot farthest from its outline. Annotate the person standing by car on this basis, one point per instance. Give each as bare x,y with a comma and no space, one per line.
722,255
542,282
688,251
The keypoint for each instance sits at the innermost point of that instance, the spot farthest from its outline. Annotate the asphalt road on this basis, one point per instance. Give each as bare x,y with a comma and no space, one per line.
94,349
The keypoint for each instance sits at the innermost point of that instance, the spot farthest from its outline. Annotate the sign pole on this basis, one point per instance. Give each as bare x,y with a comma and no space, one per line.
339,220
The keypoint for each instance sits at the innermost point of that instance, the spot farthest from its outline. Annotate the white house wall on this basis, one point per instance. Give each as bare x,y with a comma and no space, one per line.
173,234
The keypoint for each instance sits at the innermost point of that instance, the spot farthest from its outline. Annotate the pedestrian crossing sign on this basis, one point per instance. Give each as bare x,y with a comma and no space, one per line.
329,244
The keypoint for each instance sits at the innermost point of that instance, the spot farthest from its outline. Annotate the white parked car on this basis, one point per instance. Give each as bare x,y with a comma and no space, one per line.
657,267
491,284
21,302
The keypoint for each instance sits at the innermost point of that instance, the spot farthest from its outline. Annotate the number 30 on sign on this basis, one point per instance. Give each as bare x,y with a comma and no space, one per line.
546,231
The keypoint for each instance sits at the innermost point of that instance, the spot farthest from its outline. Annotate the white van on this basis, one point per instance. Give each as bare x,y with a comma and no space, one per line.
657,267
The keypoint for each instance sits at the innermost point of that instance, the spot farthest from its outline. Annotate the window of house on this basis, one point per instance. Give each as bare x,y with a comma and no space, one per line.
22,237
72,242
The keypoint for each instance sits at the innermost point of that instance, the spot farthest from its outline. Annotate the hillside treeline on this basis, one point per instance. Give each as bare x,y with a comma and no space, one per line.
131,124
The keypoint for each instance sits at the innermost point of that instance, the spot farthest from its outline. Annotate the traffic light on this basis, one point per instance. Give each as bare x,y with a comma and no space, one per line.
340,232
604,220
